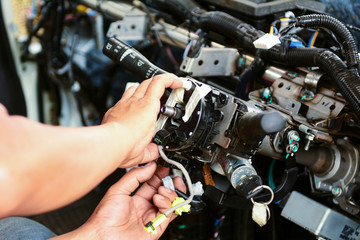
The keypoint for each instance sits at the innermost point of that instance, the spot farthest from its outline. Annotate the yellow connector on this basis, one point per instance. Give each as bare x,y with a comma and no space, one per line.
182,209
81,8
150,227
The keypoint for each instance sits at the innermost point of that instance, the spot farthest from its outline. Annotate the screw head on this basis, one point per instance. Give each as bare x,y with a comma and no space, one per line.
336,191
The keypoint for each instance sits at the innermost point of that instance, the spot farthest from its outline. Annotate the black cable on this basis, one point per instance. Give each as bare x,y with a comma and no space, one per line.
241,33
156,32
287,29
73,83
45,14
340,31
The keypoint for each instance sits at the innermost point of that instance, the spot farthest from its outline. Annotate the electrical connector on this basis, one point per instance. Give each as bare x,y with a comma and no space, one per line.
266,42
150,227
182,209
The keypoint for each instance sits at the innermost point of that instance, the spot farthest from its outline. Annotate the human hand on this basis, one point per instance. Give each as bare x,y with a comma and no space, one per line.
121,216
136,113
3,110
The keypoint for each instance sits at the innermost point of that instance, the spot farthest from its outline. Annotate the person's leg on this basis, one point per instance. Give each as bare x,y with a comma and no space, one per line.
18,228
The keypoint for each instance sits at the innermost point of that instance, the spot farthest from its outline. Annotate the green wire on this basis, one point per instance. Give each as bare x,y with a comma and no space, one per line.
271,176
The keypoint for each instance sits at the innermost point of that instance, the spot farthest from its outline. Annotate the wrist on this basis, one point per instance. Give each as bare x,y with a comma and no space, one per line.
118,138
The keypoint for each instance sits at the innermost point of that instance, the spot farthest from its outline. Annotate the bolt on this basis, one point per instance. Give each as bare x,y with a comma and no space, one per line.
227,133
293,136
309,139
307,145
336,192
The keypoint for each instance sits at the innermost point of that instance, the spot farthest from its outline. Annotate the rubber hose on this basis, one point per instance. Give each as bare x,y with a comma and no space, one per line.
340,31
242,33
346,79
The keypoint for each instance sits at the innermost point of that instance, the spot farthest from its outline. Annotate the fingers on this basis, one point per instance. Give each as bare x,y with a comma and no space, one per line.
166,196
148,189
168,193
179,184
141,89
131,180
128,93
154,87
151,152
160,82
161,203
164,199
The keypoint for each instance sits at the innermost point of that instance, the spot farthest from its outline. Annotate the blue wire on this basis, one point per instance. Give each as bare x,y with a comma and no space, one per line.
217,222
311,38
296,44
33,12
276,31
187,49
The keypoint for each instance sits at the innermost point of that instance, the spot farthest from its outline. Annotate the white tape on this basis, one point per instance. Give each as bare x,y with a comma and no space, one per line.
199,93
168,183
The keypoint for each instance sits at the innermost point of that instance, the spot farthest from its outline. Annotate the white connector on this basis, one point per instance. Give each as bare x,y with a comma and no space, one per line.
267,41
198,188
168,183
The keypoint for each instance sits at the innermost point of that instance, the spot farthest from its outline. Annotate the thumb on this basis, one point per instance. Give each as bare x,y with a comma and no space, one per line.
131,180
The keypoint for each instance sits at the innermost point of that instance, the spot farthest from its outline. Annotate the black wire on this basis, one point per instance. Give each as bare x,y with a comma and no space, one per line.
70,62
156,32
352,27
71,71
286,29
45,14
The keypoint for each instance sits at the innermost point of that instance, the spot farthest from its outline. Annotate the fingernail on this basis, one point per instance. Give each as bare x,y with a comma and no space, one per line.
168,190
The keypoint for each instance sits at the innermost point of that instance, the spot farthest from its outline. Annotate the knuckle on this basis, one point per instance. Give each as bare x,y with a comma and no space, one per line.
157,79
132,88
146,81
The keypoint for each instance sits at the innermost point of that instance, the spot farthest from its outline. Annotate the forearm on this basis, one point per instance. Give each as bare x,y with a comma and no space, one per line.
86,231
44,167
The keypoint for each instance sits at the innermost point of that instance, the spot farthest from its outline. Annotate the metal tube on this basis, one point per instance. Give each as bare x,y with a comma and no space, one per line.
319,159
177,36
109,8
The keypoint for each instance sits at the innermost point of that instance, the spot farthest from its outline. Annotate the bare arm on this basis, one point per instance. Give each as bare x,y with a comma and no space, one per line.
45,167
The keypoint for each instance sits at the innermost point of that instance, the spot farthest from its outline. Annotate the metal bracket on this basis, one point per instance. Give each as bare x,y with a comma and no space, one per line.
319,219
132,27
211,62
